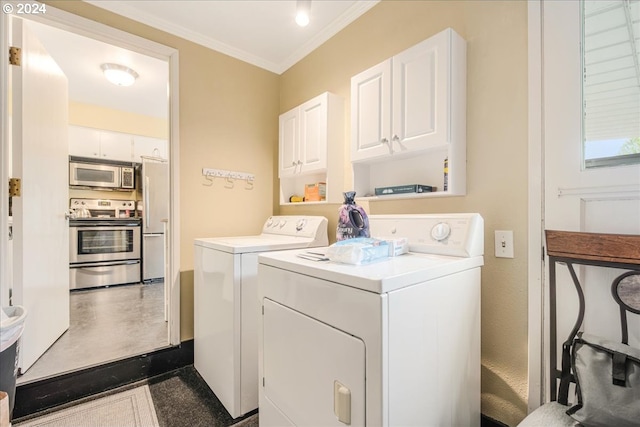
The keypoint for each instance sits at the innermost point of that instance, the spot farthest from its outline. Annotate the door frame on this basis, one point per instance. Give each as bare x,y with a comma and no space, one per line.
536,275
83,26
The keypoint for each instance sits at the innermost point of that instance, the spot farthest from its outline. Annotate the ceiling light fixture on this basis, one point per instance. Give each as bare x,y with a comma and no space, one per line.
303,9
119,75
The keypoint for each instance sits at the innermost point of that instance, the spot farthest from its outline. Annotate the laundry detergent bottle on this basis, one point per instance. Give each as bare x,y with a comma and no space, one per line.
352,219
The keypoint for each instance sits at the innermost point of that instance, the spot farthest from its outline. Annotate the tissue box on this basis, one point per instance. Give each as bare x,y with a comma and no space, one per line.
315,192
397,245
359,250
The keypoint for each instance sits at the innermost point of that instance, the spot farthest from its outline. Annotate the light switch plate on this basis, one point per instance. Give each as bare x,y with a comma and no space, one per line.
504,243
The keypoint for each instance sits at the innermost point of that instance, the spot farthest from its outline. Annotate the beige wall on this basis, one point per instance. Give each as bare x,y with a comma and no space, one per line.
228,120
496,34
94,116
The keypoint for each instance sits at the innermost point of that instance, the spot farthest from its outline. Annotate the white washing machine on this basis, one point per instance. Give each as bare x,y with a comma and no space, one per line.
392,343
227,308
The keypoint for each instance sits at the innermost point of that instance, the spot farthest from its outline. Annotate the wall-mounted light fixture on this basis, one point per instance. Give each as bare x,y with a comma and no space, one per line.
303,9
119,74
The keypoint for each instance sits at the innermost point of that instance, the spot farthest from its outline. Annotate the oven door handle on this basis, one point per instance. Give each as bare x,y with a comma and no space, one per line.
95,265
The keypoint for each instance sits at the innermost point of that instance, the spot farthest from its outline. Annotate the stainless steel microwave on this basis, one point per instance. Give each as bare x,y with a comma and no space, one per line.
101,175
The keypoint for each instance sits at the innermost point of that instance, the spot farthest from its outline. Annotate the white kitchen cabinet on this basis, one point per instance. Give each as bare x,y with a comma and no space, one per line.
116,146
408,114
311,146
149,147
100,144
84,142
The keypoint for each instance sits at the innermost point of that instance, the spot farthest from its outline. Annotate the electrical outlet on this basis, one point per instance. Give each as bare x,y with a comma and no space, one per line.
504,243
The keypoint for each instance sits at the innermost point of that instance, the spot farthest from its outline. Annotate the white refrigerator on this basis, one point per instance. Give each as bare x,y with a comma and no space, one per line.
155,215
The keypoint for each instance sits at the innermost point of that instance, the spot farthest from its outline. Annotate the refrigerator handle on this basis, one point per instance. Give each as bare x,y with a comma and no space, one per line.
146,202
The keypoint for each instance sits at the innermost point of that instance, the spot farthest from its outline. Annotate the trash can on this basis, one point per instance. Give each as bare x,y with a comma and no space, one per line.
11,327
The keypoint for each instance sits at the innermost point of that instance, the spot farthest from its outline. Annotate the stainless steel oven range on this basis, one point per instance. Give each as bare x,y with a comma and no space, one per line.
104,243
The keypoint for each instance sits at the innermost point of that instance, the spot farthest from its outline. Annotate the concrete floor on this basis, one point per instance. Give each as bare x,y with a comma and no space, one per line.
106,324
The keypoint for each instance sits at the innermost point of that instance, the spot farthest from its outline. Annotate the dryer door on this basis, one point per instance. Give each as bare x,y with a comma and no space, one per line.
313,373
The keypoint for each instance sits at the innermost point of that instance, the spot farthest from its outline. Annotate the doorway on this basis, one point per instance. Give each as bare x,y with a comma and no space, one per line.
79,27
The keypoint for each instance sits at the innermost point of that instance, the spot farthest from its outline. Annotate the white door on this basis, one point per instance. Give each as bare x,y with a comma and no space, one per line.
40,160
371,112
421,86
313,373
601,200
313,134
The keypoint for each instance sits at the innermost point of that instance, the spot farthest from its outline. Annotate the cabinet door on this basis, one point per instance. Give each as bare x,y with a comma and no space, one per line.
149,147
370,112
288,161
116,146
84,142
312,146
420,109
312,371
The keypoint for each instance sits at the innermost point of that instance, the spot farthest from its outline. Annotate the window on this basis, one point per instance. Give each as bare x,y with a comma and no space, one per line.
611,82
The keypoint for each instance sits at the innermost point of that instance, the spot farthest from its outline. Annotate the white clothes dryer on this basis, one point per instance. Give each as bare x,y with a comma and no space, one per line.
227,309
392,343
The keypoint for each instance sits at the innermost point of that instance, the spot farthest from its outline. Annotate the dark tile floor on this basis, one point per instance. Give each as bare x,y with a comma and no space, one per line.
106,324
181,398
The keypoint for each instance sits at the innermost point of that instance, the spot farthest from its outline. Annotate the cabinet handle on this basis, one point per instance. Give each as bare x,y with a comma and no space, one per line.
395,138
299,162
384,140
293,163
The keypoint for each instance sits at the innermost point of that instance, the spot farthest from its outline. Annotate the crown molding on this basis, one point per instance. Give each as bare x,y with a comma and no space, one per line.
128,11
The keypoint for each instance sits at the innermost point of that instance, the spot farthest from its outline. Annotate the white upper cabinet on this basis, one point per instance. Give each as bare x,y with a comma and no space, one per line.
116,146
408,115
303,138
84,142
289,124
371,112
100,144
107,145
310,146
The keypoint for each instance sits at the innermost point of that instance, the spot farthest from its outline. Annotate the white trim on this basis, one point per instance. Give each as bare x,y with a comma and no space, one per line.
126,10
536,206
79,25
5,283
609,192
174,208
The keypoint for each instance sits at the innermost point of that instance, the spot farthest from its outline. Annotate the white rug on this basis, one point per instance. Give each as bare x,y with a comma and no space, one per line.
131,408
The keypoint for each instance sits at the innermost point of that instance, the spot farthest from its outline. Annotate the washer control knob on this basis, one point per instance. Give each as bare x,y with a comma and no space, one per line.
300,224
440,231
282,223
270,222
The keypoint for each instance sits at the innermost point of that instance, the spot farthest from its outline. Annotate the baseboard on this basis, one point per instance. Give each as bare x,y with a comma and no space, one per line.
51,392
490,422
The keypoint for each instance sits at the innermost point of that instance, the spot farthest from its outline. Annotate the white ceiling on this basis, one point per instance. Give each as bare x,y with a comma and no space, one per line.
80,58
261,32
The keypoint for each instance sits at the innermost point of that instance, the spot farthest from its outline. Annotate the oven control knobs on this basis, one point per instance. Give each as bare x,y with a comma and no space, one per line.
440,231
300,224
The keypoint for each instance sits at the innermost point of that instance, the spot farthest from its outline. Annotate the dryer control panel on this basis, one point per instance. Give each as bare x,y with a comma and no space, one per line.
296,225
459,235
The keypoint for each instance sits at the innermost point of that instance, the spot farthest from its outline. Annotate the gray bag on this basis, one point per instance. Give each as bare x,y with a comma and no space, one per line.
608,382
